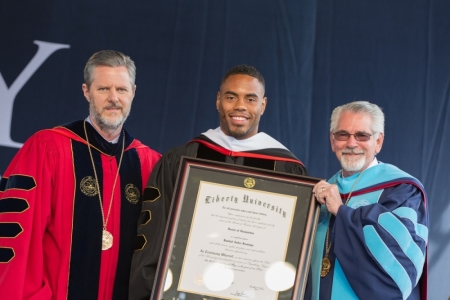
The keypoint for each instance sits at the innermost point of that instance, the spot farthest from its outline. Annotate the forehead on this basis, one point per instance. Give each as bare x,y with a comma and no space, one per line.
105,74
354,122
242,83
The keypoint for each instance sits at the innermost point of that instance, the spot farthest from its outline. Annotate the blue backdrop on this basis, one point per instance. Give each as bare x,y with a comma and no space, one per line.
314,55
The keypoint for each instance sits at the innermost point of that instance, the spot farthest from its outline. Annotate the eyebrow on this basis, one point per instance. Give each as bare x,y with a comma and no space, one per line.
344,131
247,95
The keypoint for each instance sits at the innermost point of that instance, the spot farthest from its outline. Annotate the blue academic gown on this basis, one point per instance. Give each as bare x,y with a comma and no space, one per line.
379,239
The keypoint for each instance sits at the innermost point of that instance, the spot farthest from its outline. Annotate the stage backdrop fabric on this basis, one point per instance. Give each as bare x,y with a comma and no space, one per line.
314,55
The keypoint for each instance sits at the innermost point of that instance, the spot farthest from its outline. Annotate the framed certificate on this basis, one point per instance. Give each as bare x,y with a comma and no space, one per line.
236,232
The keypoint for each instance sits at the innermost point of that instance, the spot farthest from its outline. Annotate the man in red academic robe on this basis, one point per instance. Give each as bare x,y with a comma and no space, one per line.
70,199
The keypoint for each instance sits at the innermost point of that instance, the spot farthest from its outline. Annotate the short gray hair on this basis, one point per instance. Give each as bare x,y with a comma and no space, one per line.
108,58
360,107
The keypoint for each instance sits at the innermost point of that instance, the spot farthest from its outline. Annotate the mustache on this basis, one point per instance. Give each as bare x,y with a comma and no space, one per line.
113,105
352,151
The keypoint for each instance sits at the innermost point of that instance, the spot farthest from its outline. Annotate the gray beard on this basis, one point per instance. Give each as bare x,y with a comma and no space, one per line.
105,124
352,165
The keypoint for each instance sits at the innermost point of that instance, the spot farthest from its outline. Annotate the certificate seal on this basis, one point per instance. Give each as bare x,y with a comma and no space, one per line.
249,182
132,193
88,186
198,279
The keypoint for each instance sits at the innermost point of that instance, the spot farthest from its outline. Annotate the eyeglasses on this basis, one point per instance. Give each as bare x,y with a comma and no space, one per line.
359,136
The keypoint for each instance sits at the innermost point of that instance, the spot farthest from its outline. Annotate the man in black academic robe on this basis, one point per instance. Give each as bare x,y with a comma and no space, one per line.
240,103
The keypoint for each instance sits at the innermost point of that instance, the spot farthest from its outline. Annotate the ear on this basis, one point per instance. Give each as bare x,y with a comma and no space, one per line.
263,105
134,91
333,148
379,142
218,101
85,89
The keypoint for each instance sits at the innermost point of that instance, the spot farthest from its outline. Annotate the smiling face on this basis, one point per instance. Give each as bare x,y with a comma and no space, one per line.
354,155
240,103
110,96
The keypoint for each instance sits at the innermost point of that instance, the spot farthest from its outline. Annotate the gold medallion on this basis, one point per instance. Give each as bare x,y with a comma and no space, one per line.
107,240
88,186
132,193
326,266
249,182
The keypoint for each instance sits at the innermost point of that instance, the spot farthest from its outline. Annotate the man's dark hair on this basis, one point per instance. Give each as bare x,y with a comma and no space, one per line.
245,70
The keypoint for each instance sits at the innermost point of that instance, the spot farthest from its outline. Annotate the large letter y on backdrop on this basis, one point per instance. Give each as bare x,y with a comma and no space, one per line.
7,96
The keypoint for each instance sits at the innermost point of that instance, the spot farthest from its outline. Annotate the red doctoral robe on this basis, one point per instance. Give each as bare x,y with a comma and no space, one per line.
51,225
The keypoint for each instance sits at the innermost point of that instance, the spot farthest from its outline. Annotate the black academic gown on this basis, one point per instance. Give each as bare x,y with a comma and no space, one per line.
158,197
